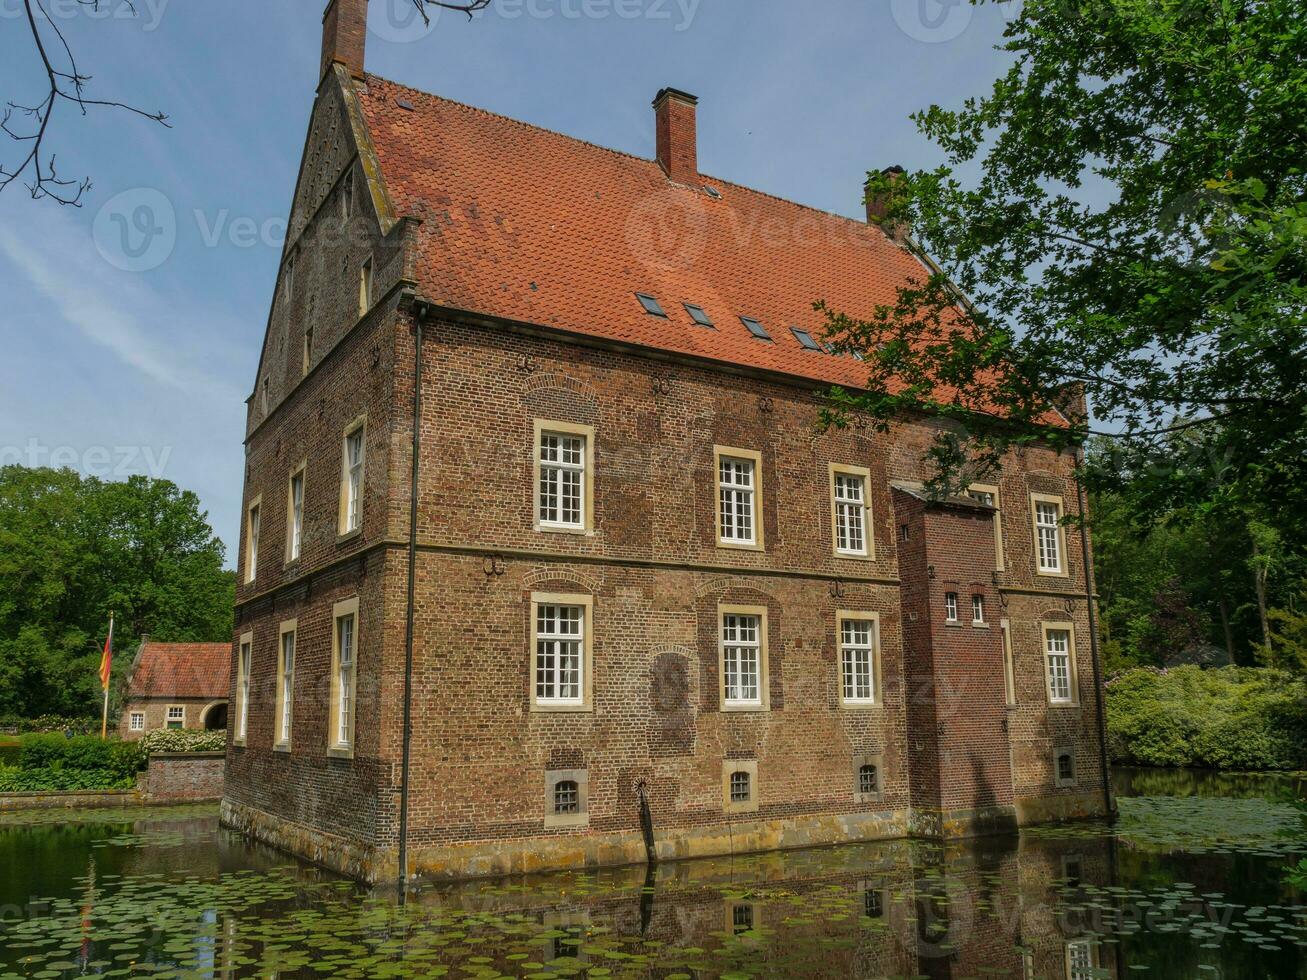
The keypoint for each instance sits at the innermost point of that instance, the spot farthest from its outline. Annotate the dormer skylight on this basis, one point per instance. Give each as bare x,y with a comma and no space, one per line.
699,315
805,338
755,328
651,305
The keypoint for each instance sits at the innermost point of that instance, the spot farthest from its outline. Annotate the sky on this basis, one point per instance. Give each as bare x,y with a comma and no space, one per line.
131,326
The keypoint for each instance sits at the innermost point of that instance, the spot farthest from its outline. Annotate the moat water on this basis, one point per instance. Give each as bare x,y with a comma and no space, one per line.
1190,882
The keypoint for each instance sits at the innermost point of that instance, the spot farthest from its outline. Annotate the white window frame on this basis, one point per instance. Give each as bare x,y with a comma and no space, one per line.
978,491
977,609
365,288
295,513
1072,698
849,652
951,607
283,718
169,718
850,511
1046,534
542,469
344,679
136,721
1081,959
253,526
730,495
585,603
353,495
244,663
735,617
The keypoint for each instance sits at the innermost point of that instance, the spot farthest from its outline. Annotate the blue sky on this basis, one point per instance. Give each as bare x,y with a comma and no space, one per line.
115,364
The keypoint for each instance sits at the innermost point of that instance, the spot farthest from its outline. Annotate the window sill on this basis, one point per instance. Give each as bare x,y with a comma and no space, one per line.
580,532
855,556
283,747
1064,704
349,535
340,752
739,546
238,743
953,624
562,709
756,708
858,705
1039,574
979,626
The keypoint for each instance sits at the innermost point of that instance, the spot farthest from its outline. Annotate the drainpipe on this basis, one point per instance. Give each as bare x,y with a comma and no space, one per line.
1093,635
419,311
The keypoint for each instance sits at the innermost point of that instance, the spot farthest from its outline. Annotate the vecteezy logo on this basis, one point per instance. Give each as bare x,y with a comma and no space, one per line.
401,21
668,229
136,231
931,21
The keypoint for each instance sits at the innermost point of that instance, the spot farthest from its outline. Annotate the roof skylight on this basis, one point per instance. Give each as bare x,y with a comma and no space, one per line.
651,305
755,328
699,315
805,338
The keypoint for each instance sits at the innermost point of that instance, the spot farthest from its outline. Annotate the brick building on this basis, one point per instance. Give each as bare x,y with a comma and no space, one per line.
176,685
646,603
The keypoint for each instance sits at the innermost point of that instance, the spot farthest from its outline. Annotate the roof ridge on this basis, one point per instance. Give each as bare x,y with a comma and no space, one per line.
371,76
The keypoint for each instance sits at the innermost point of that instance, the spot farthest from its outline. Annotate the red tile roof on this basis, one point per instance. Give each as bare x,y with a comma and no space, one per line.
181,670
529,225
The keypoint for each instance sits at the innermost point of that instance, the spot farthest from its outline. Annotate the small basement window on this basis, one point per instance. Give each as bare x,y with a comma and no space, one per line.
868,779
805,338
755,328
567,797
1066,768
699,315
741,787
651,305
873,904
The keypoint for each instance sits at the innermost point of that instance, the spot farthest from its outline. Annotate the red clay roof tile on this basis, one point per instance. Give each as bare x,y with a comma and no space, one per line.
181,670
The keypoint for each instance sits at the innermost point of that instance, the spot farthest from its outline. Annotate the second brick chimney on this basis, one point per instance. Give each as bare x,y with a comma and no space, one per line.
678,137
344,36
878,207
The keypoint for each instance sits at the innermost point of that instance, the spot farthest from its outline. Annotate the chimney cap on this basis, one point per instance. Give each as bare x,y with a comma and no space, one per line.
675,93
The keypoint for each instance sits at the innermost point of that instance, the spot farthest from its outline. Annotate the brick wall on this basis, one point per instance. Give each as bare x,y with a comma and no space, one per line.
183,776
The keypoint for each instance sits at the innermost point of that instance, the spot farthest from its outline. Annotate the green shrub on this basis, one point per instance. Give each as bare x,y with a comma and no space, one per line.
184,740
17,780
50,723
1228,718
84,753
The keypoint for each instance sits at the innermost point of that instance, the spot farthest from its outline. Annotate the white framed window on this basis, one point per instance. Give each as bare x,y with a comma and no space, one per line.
988,494
858,657
977,610
365,288
1060,662
344,675
1080,960
850,511
564,474
284,708
295,514
560,658
1009,668
243,664
743,658
353,471
137,721
951,606
1050,536
739,493
253,520
176,716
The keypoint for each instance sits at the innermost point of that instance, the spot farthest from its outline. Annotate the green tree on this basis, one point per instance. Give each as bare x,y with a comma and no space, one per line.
1137,229
71,550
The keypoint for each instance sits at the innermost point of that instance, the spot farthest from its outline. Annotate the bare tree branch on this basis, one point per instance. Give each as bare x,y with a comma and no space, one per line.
469,8
66,84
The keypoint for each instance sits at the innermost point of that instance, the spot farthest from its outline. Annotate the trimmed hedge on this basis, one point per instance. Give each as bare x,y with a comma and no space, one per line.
1240,718
184,740
86,754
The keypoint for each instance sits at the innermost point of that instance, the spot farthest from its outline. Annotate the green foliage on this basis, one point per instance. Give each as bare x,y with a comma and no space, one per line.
184,740
85,753
1231,718
18,780
71,550
49,723
1126,211
1298,875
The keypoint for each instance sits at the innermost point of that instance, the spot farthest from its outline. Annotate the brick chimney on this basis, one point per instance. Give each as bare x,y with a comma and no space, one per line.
878,206
678,135
344,36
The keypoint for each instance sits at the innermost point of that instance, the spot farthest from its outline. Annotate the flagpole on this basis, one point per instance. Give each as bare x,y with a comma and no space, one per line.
104,719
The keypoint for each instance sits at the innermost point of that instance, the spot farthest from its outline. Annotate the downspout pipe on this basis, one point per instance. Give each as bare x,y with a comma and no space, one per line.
419,312
1093,635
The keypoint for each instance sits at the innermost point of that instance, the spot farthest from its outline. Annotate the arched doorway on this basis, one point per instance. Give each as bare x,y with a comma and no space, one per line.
215,717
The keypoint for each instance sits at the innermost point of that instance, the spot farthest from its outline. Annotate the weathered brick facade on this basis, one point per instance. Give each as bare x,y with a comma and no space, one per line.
951,755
